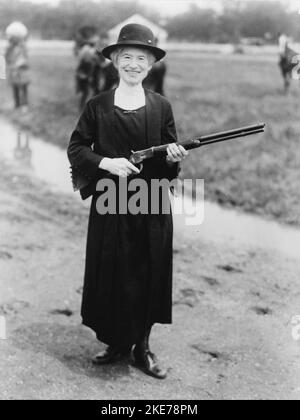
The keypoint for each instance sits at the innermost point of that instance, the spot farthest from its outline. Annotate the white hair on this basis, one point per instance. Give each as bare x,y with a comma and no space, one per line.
114,56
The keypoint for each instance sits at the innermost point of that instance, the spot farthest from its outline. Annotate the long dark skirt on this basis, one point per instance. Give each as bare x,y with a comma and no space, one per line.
128,275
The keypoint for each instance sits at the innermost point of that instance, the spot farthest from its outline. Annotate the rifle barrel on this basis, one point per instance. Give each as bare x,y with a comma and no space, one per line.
202,141
232,136
241,130
215,138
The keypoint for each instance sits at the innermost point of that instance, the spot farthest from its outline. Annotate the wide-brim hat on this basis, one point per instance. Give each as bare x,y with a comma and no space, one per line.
138,36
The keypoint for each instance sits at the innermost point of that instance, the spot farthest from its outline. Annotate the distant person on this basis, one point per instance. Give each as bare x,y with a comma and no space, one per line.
86,74
17,64
90,73
287,59
283,41
155,78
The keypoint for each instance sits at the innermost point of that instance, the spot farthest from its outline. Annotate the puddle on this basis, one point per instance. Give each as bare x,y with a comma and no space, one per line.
235,227
49,163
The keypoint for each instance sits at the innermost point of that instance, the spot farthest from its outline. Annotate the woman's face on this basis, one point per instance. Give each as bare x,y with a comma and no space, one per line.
133,65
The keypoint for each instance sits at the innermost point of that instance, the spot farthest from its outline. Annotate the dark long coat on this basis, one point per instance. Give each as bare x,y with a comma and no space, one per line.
108,296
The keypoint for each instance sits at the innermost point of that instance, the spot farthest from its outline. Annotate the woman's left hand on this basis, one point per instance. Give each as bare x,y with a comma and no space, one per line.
176,153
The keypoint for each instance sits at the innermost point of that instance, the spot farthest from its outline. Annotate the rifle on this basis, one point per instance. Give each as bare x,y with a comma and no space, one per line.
140,155
136,158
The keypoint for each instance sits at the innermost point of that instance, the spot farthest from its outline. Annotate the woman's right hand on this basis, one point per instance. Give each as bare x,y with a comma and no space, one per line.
118,166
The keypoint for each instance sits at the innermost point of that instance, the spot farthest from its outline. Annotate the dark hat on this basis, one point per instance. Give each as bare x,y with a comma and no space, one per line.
135,35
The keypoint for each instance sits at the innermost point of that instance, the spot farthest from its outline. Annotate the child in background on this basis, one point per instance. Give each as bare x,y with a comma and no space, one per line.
17,66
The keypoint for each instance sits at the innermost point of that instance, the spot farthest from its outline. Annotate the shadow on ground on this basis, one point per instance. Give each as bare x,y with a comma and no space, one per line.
70,345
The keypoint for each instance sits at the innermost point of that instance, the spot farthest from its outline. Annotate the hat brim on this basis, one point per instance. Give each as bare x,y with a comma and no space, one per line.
157,52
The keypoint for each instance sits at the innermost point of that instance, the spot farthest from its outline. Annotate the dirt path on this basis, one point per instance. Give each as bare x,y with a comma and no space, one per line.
231,336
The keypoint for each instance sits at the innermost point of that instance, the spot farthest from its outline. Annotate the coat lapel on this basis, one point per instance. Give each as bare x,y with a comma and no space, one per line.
153,119
108,115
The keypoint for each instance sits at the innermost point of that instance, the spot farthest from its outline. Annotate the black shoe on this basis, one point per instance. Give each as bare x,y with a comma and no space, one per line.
148,363
109,355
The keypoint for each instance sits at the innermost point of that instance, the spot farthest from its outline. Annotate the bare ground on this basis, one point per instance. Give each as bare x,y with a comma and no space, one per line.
231,334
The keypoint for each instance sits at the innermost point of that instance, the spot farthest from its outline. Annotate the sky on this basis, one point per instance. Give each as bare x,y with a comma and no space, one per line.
173,7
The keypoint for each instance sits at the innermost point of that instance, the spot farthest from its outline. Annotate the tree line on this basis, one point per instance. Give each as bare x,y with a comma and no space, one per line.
260,19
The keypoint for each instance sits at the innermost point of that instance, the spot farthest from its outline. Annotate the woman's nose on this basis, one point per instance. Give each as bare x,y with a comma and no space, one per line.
133,63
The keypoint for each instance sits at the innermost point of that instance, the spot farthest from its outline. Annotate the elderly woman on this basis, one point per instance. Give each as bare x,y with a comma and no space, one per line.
128,271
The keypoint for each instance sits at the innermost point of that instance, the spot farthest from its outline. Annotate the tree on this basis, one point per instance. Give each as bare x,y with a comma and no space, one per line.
61,22
195,24
260,17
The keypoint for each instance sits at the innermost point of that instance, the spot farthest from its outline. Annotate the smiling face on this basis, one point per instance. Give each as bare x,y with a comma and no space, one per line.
133,64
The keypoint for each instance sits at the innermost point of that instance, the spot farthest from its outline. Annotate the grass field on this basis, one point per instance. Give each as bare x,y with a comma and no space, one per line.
259,174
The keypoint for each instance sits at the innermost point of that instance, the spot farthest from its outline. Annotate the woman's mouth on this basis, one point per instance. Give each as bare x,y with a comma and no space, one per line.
132,72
